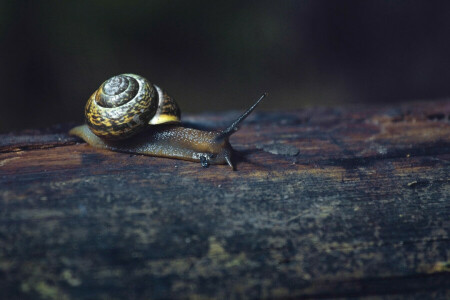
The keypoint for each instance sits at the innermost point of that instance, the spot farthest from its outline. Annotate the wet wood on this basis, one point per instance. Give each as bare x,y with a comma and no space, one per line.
325,202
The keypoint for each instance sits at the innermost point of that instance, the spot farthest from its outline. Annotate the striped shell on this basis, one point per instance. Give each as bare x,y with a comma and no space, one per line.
125,104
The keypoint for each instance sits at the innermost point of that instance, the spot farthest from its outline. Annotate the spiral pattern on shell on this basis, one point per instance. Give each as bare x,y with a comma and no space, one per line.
125,104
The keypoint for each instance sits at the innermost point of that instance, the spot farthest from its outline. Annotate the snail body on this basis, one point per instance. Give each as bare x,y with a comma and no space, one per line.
138,117
171,141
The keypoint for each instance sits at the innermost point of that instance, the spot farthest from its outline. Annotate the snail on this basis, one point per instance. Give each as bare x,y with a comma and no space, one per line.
130,114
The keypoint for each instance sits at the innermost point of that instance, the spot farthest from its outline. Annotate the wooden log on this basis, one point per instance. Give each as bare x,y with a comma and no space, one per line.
325,202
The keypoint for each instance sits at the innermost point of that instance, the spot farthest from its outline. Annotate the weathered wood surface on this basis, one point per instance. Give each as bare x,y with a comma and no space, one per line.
325,203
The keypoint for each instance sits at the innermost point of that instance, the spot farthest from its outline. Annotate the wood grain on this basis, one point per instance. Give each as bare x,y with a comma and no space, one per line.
325,202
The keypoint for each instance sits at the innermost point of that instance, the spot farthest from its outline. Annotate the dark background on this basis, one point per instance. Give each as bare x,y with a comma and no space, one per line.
214,56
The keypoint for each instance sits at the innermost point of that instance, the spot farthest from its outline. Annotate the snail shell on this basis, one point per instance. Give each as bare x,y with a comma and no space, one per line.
126,104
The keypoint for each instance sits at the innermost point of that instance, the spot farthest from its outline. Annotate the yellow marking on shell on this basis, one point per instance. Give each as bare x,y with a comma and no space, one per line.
164,119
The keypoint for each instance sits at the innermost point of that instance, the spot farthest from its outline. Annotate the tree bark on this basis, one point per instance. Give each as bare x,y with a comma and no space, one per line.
325,202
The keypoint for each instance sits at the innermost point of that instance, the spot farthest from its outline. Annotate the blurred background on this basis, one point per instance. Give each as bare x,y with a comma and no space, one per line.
220,55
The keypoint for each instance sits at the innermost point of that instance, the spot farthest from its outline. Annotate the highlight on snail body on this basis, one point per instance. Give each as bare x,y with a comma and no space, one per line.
129,114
